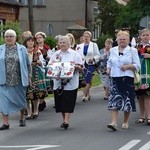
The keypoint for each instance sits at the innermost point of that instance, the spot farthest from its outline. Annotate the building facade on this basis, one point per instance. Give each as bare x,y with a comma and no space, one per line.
54,16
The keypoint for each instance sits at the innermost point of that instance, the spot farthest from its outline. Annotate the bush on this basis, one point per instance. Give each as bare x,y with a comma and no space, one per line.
50,41
14,25
101,40
2,41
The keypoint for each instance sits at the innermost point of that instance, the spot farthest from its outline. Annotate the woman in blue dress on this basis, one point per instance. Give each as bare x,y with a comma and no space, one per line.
90,53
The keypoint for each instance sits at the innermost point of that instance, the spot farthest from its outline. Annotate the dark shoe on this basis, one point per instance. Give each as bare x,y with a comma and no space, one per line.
4,127
62,125
148,122
22,123
112,126
140,120
42,106
88,98
84,99
105,98
34,116
65,125
28,118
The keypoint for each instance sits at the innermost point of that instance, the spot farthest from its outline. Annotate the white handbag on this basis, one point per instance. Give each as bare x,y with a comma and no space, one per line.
137,77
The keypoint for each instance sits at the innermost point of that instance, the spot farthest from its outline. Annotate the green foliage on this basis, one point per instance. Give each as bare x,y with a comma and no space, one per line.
50,41
131,14
1,41
96,80
101,40
15,25
108,12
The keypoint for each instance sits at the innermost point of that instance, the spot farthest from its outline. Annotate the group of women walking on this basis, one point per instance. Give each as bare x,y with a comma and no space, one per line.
24,83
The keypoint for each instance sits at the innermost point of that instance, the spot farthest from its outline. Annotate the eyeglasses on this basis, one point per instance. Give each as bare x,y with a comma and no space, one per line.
9,36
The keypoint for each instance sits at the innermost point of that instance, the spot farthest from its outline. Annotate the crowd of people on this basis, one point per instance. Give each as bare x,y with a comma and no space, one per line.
24,82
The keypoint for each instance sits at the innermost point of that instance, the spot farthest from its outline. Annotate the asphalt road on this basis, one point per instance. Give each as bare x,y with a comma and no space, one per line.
88,130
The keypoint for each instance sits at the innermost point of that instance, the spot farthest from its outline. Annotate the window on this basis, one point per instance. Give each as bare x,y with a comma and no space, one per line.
96,32
35,2
50,29
38,2
25,2
95,11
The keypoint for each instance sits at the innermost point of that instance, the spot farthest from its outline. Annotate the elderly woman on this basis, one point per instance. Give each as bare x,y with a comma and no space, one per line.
104,55
89,52
123,60
15,74
65,91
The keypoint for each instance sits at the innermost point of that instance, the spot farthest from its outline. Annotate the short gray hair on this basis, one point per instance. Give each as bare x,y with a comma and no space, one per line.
10,32
65,38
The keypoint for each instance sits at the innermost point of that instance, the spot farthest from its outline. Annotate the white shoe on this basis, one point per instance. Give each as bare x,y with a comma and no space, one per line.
125,126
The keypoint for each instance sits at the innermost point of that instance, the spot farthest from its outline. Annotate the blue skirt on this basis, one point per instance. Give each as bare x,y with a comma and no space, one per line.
12,98
122,95
88,73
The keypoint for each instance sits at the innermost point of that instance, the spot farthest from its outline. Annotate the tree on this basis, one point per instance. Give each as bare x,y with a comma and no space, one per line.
109,10
15,25
131,14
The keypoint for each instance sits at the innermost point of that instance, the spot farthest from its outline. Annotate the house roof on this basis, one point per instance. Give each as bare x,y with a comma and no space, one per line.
76,27
10,2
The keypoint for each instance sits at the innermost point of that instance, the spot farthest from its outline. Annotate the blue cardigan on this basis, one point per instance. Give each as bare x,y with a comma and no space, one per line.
24,64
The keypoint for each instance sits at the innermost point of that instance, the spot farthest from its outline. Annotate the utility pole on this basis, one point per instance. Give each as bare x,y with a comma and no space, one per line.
30,17
86,11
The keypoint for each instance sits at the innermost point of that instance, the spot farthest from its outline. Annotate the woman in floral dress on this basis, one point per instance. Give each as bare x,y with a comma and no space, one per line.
37,90
143,89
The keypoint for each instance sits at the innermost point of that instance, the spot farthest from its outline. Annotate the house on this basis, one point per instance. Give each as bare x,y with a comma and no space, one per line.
54,16
9,10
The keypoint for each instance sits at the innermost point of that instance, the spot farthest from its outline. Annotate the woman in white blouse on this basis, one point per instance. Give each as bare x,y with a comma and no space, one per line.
122,62
89,52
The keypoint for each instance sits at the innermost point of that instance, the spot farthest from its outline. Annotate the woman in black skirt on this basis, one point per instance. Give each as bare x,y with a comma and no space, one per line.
65,90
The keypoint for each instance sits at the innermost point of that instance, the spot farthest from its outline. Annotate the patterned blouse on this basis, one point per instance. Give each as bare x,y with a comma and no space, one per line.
103,63
13,74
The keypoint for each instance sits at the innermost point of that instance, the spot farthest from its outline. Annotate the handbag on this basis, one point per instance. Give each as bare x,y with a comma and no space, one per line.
137,77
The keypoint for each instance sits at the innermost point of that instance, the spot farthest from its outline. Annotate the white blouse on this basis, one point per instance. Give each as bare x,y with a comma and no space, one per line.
130,56
69,55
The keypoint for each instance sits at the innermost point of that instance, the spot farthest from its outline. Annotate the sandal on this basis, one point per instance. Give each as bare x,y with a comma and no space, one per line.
140,120
148,122
125,125
112,127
